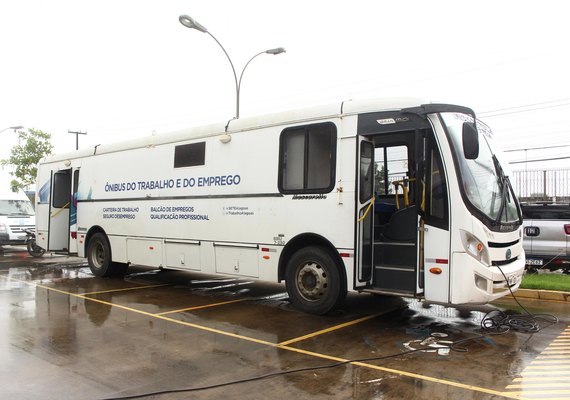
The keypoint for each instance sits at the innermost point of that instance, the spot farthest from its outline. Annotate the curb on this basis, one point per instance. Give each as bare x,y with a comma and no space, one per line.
549,295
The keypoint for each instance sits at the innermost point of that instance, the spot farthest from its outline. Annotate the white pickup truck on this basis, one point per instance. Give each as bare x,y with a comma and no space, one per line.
547,236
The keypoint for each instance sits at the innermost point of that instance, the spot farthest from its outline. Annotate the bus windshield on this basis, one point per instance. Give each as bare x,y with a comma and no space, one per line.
484,183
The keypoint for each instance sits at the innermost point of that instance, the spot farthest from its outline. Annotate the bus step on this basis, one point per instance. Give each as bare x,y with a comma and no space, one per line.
398,278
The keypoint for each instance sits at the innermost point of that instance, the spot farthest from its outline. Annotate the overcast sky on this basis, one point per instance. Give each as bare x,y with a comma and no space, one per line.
125,68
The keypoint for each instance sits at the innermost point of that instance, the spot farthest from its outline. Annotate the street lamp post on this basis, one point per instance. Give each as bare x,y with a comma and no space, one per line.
189,22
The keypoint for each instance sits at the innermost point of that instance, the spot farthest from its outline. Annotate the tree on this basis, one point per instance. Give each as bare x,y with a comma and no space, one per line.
33,145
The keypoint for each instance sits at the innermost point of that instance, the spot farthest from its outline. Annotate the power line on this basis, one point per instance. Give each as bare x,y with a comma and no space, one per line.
525,105
497,113
537,148
539,160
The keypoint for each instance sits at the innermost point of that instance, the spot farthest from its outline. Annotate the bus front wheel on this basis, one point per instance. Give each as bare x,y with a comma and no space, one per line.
99,257
313,281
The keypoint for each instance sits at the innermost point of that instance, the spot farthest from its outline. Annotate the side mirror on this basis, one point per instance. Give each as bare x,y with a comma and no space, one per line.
470,141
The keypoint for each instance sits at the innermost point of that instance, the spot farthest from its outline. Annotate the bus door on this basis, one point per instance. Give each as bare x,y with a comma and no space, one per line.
73,213
434,225
396,220
59,211
365,212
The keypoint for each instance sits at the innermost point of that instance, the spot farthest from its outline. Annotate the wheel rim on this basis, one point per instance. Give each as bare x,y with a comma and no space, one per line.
97,254
312,281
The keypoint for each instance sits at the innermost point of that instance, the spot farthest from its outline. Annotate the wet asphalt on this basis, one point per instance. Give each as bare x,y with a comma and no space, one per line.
166,334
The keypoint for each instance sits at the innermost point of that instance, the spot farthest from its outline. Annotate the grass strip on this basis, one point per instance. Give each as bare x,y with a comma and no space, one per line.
560,282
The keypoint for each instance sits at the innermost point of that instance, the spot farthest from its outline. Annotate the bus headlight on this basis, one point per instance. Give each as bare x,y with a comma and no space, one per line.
3,228
475,248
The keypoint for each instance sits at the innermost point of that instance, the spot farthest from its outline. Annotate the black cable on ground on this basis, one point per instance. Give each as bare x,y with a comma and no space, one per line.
261,377
498,322
495,322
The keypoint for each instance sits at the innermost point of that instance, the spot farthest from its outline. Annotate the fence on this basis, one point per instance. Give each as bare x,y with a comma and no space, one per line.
542,185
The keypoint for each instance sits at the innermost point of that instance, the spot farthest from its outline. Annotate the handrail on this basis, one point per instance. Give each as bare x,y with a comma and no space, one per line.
367,210
55,214
405,190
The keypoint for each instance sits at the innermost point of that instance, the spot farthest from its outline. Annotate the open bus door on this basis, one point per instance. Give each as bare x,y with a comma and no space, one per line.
397,217
411,236
398,181
365,213
59,211
73,213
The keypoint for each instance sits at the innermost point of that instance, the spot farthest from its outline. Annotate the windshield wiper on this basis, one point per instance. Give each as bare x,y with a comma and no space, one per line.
504,186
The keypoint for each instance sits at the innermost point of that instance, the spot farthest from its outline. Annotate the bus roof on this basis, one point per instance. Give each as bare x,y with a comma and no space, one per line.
349,107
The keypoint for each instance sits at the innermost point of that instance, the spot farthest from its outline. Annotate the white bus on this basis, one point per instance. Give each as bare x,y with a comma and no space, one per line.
393,197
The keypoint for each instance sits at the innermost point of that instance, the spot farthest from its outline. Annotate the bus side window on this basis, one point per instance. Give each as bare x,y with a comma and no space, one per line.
307,159
190,155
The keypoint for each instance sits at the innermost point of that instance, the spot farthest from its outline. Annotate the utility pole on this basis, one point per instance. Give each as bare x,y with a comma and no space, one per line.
77,133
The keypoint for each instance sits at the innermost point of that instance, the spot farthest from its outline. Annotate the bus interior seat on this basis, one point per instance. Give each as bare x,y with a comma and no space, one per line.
402,226
383,211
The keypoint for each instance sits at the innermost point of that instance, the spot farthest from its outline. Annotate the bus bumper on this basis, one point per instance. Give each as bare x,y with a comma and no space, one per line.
473,282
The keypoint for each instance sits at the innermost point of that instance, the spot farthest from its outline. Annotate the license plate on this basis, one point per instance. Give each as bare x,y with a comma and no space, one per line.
534,261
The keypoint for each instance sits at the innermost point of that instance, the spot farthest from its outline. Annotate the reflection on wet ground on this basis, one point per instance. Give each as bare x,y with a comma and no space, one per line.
70,335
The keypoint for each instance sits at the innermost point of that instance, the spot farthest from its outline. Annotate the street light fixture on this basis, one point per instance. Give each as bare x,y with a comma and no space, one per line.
12,127
191,23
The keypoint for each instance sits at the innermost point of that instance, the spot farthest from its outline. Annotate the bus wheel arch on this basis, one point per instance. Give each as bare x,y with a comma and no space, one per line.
99,254
314,274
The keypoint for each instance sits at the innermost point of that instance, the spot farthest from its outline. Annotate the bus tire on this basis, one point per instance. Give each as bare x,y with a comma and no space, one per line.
99,257
313,281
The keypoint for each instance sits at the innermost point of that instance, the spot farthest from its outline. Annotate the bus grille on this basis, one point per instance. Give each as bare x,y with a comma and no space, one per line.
503,245
504,262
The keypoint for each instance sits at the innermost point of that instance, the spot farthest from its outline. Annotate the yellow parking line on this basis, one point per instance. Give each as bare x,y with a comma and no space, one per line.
402,373
204,328
552,357
540,393
555,398
554,374
327,330
278,346
200,307
125,289
539,385
551,379
201,327
563,361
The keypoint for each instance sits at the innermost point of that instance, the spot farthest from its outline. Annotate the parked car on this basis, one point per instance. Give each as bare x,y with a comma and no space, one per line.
546,236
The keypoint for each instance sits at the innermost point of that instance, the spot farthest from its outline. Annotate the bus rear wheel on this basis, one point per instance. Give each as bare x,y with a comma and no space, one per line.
313,281
99,257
